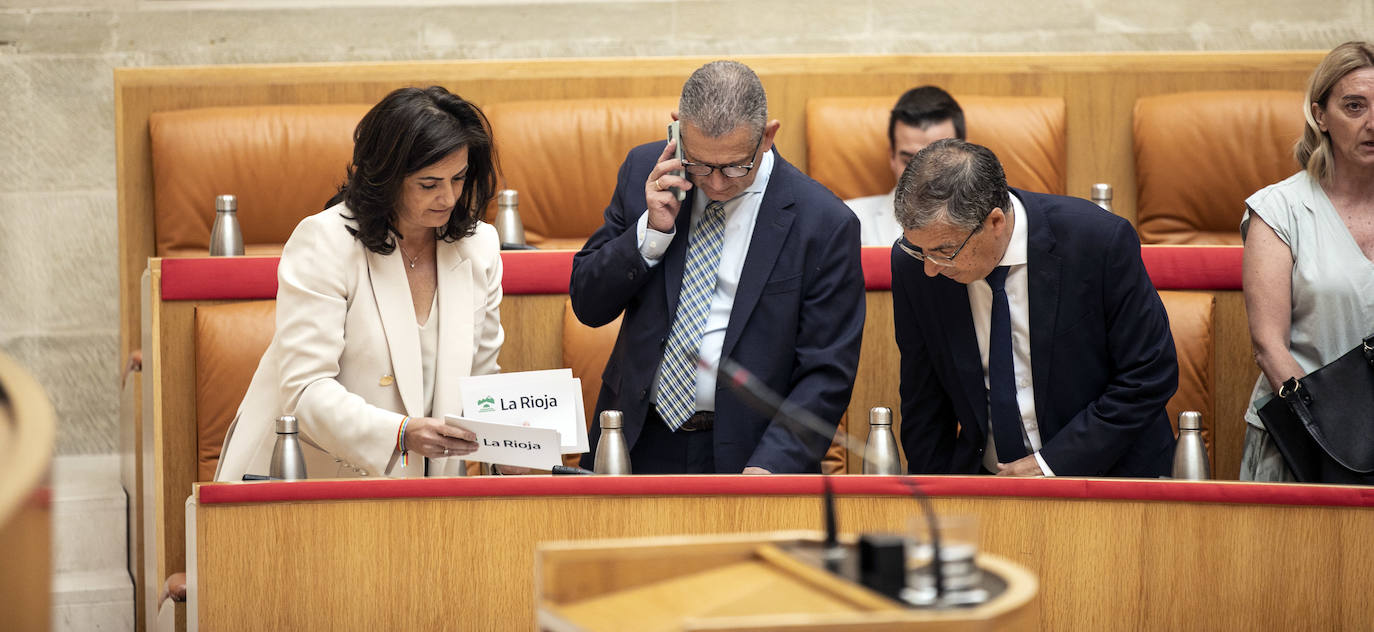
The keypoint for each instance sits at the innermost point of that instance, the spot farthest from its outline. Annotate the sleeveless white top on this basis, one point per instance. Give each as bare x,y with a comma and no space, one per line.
1333,281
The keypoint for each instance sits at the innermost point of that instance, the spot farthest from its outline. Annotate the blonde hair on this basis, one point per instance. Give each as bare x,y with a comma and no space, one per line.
1313,150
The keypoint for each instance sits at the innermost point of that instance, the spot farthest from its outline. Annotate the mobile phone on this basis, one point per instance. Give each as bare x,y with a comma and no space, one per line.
674,135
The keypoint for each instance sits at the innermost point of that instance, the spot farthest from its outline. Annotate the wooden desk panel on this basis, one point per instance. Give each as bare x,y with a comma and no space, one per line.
466,562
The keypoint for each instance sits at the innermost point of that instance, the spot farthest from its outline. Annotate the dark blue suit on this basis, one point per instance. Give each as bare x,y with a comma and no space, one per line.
1102,356
796,322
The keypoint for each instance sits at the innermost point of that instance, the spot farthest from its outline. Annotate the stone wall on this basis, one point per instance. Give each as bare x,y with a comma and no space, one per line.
58,295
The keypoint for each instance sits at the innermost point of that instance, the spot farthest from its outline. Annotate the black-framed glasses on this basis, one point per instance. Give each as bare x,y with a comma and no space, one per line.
943,261
702,170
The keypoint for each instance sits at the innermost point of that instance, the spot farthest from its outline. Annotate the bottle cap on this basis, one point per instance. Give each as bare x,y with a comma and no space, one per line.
612,419
286,424
1190,420
508,197
226,203
880,416
1102,191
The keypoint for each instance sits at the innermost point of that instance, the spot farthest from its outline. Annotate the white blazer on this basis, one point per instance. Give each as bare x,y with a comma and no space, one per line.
345,359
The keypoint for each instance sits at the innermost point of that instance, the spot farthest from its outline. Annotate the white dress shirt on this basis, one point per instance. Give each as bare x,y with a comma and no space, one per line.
741,212
1018,299
877,219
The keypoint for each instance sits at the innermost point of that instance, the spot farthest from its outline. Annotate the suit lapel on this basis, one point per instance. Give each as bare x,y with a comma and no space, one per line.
455,314
675,259
771,226
1045,269
392,291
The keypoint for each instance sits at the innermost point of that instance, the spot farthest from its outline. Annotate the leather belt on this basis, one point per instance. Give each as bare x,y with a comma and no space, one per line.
701,420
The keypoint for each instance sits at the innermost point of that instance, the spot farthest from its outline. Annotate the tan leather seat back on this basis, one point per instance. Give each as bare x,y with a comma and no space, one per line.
282,161
230,341
586,351
847,148
563,157
1190,320
1198,155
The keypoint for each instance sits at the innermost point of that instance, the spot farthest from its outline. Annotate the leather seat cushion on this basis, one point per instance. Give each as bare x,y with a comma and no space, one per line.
563,156
1198,155
230,340
847,148
1191,321
283,162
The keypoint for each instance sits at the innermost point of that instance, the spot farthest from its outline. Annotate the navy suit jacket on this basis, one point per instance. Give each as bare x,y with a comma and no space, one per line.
1102,355
796,322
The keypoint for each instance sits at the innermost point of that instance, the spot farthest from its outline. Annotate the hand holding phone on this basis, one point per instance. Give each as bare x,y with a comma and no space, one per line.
675,136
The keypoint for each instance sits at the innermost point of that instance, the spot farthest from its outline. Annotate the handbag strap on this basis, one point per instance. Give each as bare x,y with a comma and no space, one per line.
1298,399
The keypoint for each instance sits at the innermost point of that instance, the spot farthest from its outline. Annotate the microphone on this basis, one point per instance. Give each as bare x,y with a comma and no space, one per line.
560,470
765,401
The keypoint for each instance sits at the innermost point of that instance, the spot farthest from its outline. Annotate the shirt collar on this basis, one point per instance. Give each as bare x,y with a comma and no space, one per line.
1016,248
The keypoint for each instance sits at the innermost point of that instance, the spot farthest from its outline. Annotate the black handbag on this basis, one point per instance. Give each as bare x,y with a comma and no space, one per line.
1323,424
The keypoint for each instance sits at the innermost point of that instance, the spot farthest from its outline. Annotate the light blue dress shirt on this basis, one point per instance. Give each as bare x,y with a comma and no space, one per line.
741,212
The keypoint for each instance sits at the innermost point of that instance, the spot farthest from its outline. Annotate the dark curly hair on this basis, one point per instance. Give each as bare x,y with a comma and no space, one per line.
408,130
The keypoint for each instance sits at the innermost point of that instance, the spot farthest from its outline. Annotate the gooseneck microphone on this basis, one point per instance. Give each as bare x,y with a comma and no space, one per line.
765,401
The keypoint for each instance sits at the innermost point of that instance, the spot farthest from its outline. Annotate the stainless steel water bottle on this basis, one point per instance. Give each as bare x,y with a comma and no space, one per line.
1102,195
226,240
612,455
509,228
287,461
1190,455
880,455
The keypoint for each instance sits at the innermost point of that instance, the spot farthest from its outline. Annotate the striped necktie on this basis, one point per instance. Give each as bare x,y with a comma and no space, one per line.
677,379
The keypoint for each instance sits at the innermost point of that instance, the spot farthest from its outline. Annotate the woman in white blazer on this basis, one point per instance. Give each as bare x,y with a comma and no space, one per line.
384,302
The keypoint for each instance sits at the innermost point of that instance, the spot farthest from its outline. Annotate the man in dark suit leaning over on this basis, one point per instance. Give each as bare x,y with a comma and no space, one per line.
1032,340
759,264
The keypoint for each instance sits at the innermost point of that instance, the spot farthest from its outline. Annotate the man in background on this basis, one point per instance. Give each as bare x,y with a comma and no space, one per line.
921,116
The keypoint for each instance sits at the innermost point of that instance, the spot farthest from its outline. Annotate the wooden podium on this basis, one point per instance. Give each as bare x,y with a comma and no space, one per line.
742,583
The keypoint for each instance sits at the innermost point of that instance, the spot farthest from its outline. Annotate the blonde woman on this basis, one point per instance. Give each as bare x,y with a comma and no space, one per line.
1308,275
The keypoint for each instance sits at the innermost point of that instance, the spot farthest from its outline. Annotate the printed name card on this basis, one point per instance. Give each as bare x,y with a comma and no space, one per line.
510,445
551,400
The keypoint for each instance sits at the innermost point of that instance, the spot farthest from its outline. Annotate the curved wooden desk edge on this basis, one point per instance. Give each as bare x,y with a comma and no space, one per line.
27,417
565,568
1226,492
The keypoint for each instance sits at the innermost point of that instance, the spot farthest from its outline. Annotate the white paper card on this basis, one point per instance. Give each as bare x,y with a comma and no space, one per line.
510,445
549,399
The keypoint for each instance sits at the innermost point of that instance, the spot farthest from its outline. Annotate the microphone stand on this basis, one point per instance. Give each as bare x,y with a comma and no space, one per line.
765,401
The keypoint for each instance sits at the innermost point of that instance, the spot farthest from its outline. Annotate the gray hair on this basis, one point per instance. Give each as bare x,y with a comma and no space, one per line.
721,96
953,180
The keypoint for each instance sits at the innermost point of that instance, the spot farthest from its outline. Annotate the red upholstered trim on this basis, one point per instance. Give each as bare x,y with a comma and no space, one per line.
198,278
877,262
1193,267
536,271
548,272
1094,489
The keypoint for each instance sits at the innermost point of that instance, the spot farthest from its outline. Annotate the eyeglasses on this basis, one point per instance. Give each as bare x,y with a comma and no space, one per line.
940,260
702,170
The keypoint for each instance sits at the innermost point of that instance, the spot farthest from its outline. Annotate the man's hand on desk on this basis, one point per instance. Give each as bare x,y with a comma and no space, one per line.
1024,466
755,470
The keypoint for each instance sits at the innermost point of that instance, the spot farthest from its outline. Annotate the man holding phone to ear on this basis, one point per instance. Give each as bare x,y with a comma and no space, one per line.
757,262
